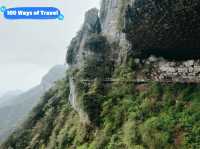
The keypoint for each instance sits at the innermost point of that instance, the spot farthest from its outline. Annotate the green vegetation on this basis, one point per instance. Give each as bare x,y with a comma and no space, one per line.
123,6
95,69
37,130
97,43
121,114
73,49
124,115
70,56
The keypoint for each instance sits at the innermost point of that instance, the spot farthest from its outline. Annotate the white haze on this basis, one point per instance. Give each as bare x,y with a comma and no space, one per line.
28,49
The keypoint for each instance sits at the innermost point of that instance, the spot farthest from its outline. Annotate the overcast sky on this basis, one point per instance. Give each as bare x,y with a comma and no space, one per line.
28,49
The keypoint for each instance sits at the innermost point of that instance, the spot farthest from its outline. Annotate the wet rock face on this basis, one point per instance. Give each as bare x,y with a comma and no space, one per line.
170,27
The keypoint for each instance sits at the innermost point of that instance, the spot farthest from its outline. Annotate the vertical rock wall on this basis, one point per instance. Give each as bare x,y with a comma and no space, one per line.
90,26
110,13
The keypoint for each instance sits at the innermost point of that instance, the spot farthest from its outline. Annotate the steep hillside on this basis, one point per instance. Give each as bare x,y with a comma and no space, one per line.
115,95
123,115
14,110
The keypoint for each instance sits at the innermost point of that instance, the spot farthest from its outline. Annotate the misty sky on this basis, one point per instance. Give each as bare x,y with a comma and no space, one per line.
28,49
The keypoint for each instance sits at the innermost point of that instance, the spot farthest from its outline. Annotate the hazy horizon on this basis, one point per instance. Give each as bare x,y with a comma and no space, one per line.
30,48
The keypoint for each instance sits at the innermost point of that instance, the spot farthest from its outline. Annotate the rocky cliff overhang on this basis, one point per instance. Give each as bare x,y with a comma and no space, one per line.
166,28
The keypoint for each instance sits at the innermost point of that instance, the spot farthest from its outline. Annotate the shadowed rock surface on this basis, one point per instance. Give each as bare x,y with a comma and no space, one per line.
167,27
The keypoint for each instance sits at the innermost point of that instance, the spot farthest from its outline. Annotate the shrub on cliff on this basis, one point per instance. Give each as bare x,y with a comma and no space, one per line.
97,43
121,21
72,51
94,68
91,104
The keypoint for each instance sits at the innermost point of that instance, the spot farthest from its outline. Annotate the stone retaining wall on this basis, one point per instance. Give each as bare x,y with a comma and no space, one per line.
175,71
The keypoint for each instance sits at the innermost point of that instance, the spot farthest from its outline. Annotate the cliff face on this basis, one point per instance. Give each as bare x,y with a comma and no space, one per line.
76,51
100,23
138,29
123,93
77,54
167,26
109,13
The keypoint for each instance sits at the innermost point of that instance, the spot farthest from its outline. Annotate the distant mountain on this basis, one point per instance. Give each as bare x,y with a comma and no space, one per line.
16,105
8,96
